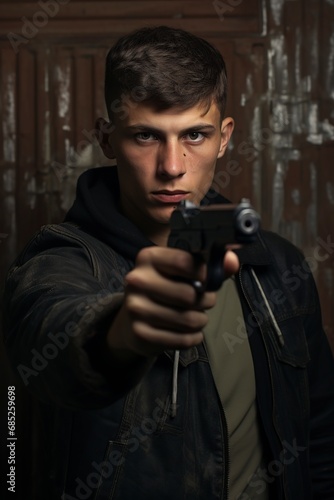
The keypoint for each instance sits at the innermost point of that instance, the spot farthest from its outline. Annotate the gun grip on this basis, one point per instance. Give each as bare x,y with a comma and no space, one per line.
216,273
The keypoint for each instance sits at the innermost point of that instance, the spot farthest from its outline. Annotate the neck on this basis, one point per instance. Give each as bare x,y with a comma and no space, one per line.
159,237
156,232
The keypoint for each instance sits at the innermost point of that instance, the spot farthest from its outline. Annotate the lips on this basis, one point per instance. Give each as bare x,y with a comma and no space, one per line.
167,196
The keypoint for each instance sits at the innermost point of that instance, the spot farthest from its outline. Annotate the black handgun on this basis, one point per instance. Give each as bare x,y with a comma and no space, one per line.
205,231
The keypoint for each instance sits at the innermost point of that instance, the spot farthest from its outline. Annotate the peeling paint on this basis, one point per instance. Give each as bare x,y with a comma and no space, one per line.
307,84
298,58
312,209
256,129
64,96
257,182
46,142
296,118
280,118
282,141
313,125
69,151
330,67
328,130
271,73
296,196
9,181
264,18
249,84
314,60
9,119
277,58
295,155
277,10
278,195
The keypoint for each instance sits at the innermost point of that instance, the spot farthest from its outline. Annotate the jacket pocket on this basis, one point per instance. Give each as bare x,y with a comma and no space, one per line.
291,363
294,350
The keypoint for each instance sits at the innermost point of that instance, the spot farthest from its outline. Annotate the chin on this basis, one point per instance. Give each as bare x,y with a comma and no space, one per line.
163,216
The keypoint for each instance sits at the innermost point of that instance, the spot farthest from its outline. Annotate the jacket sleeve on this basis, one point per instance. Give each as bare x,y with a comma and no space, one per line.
56,300
321,387
320,370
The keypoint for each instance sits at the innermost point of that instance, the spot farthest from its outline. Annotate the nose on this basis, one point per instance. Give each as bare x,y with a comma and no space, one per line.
171,160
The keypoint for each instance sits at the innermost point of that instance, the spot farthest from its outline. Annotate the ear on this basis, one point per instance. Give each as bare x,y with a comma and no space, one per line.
226,132
103,130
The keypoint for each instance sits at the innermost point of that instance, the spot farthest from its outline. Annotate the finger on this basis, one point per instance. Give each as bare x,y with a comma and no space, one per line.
162,317
231,263
150,341
167,291
172,262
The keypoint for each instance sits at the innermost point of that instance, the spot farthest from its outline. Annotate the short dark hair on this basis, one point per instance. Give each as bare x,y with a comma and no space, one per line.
165,67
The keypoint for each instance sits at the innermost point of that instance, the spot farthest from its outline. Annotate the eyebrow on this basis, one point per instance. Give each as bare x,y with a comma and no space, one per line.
195,128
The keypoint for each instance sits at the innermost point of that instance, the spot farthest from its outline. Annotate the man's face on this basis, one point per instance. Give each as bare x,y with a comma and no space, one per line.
164,157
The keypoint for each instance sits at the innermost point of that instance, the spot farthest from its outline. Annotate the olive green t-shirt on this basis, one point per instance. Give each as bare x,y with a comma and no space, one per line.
232,367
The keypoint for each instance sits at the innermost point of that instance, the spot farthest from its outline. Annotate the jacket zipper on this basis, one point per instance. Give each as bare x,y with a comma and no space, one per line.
226,442
269,365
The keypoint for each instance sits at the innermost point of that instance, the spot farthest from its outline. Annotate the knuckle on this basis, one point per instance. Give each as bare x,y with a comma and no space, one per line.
181,258
193,320
209,299
189,340
187,295
145,255
139,330
139,277
133,305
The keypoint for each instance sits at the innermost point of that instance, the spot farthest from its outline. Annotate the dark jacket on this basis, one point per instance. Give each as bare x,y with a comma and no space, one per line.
107,439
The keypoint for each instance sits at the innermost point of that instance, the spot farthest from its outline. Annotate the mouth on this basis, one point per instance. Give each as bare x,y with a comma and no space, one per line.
168,196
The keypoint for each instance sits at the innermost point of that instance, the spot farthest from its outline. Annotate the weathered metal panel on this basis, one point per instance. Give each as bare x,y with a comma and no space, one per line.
299,174
280,59
8,157
281,96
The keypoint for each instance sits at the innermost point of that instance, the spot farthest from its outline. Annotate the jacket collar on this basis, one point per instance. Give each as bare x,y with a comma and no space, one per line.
255,254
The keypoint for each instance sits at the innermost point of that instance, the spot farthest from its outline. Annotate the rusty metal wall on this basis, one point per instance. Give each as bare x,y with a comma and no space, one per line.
280,58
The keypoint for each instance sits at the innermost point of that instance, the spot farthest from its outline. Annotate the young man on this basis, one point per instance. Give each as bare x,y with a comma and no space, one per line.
97,307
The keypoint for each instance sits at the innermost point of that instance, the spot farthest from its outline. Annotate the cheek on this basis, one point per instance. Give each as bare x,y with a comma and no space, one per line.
203,182
203,166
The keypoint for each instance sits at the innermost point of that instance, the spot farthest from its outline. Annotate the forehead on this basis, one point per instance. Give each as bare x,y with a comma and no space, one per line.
133,113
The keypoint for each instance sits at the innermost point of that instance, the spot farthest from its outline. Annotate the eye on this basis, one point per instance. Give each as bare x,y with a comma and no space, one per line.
145,137
195,136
